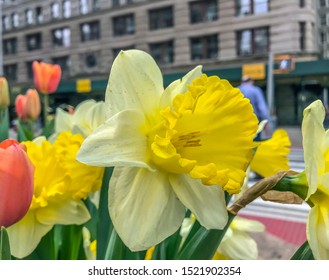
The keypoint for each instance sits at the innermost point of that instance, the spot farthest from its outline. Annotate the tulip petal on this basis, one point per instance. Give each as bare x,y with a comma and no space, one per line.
313,144
207,203
179,86
143,207
135,83
317,232
119,141
25,235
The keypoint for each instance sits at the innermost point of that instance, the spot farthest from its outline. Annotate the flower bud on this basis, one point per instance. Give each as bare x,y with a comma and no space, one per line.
46,76
32,105
20,103
4,93
16,182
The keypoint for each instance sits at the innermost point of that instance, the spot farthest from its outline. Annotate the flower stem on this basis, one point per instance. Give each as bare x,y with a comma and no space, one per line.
45,108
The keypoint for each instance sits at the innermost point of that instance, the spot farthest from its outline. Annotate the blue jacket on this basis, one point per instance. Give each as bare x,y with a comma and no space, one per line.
257,100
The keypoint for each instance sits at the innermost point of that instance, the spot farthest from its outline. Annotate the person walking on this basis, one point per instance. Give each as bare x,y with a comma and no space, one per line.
256,97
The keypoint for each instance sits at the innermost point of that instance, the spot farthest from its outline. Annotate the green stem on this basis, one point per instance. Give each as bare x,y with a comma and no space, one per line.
45,108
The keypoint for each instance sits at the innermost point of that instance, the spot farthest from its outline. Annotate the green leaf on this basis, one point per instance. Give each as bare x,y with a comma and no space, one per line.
304,252
4,245
71,242
168,248
4,124
204,243
22,133
104,226
49,128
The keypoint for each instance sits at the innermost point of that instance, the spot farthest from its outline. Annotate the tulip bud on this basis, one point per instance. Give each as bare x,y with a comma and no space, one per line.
32,104
46,76
4,93
20,103
16,182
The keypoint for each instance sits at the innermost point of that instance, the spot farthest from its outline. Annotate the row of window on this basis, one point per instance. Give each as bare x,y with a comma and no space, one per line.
254,41
251,41
200,11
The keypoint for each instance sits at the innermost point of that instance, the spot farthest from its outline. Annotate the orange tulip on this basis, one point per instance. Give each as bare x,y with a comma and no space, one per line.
4,93
32,105
16,182
46,76
20,103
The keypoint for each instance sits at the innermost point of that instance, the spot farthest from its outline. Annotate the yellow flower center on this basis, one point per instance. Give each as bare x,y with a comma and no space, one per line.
208,132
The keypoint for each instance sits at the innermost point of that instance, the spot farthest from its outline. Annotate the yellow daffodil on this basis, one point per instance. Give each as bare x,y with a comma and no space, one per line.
172,148
272,154
89,247
237,244
87,116
316,156
60,185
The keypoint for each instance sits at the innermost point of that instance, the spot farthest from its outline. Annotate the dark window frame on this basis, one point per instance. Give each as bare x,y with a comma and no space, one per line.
165,49
253,43
199,11
95,31
38,37
120,25
161,18
207,47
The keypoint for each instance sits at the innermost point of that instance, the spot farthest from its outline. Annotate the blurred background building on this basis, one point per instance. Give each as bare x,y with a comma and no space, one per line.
227,37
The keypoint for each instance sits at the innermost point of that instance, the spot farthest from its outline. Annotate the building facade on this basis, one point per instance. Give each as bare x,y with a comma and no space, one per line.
84,36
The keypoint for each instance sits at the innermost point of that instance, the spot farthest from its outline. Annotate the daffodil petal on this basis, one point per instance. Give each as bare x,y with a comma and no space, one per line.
63,121
207,203
317,232
25,235
82,109
143,207
67,213
117,142
313,143
239,247
135,82
179,86
247,225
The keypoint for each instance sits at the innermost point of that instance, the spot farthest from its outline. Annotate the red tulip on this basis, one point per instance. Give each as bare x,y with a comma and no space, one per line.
20,103
16,182
46,76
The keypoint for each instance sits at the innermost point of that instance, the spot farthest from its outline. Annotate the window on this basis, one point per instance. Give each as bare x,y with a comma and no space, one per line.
123,25
5,23
61,37
39,15
9,46
54,10
121,2
64,63
90,31
90,60
203,11
15,20
29,16
161,18
96,4
84,7
66,8
302,30
163,52
10,72
116,51
204,47
33,41
249,7
302,3
253,41
29,69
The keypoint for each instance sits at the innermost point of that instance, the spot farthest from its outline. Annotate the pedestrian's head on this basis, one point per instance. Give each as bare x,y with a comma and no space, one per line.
246,79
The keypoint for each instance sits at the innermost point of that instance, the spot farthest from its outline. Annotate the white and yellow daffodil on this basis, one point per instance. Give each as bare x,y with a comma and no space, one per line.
174,148
87,116
237,244
58,191
316,157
